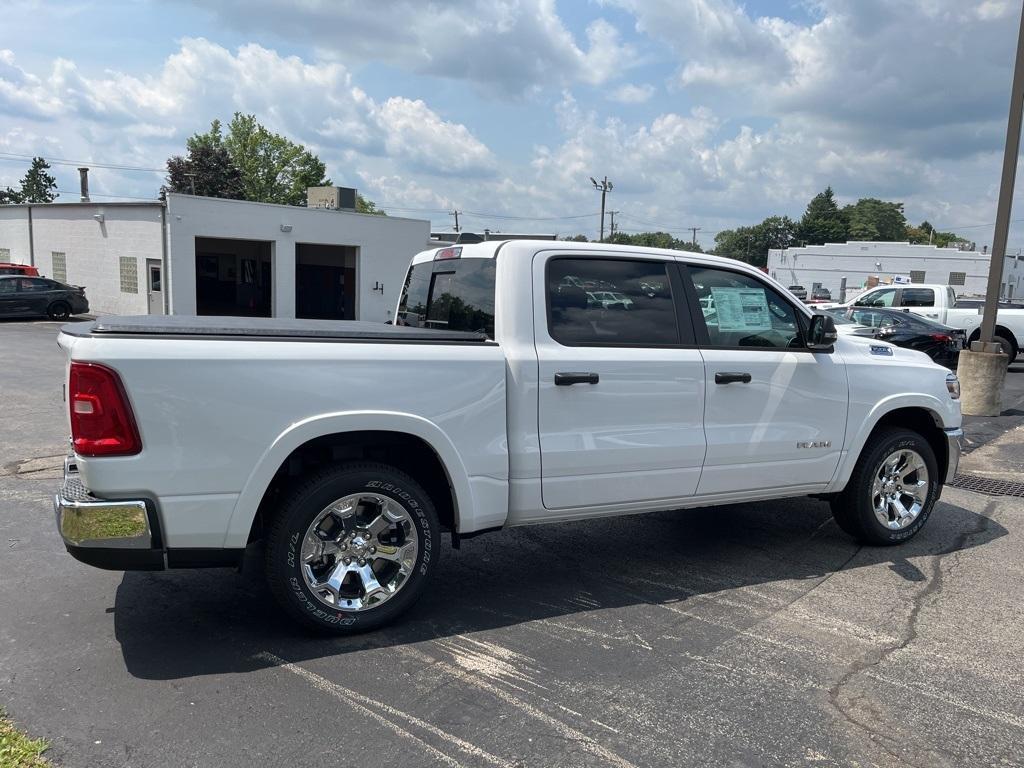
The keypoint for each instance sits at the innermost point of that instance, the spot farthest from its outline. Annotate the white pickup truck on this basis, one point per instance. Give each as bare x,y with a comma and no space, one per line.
940,303
505,395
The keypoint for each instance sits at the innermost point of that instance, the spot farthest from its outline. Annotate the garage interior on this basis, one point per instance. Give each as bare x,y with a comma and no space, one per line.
233,277
325,281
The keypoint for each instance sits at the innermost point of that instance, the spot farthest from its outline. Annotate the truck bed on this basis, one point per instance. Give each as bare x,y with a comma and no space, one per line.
263,328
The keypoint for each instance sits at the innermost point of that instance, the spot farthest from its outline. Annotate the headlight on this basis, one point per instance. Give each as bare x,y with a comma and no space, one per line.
953,386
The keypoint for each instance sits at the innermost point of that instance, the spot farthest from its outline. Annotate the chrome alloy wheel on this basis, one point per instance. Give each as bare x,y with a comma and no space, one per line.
359,551
900,489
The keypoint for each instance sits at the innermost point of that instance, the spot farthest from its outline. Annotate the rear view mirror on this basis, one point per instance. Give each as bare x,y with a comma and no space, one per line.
822,334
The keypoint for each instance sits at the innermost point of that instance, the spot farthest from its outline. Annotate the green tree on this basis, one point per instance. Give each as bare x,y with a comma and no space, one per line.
367,206
873,219
822,222
654,240
208,170
37,185
751,244
274,169
10,196
577,239
925,233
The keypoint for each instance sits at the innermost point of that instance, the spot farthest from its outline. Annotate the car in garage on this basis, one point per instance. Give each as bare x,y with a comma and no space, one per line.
40,297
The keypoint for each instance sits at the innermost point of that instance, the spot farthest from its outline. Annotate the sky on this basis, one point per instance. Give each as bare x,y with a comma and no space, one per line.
702,113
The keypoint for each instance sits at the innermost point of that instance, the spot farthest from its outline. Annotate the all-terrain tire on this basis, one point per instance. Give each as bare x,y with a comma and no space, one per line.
854,508
303,505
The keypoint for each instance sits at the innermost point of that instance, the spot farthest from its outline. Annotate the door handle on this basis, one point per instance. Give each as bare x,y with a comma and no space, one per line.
728,377
568,379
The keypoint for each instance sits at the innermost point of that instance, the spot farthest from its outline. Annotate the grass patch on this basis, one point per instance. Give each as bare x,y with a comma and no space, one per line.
17,750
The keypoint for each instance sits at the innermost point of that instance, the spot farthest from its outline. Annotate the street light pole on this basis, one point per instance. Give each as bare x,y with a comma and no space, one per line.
604,187
1010,153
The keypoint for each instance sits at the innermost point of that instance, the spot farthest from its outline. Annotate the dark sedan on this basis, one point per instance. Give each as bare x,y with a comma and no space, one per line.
905,329
39,296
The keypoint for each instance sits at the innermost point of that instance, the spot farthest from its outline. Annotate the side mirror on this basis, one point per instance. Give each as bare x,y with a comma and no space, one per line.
822,333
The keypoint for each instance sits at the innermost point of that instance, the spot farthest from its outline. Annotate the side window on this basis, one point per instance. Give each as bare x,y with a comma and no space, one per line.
883,298
33,285
7,286
741,311
918,297
595,302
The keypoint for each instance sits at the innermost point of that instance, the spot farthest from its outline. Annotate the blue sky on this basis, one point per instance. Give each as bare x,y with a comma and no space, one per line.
704,113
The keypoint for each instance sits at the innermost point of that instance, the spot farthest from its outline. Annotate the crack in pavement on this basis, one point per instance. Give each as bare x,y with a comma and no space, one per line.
932,589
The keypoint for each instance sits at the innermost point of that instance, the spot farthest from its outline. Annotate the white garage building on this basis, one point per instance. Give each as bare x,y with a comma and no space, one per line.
859,262
201,255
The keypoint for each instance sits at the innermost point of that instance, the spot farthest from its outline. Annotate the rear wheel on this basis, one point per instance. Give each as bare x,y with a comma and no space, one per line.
59,310
892,490
353,548
1007,346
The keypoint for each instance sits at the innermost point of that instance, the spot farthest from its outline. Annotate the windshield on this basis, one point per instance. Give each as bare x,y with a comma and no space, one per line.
453,294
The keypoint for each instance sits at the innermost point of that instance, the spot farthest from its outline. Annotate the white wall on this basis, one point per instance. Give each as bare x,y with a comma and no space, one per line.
93,249
14,233
385,246
827,264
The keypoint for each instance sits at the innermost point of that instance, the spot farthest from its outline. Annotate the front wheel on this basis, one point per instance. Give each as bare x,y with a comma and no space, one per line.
352,548
892,490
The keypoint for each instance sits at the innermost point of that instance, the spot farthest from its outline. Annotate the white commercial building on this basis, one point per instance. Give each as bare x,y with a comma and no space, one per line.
202,255
858,264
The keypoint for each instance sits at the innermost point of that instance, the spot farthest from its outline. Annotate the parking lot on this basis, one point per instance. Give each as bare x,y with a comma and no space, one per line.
742,635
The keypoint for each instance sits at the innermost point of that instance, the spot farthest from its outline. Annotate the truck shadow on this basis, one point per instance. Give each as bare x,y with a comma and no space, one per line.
180,624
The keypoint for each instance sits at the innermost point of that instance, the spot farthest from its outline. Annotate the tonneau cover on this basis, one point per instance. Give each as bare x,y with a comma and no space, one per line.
264,327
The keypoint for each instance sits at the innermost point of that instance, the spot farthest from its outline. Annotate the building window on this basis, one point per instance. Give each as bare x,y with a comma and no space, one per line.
129,274
917,275
5,254
957,278
60,266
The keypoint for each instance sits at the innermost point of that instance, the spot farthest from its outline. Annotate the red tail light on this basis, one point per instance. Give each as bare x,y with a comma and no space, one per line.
102,423
943,337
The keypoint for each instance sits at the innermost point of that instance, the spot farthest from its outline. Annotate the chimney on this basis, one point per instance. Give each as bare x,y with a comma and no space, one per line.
83,180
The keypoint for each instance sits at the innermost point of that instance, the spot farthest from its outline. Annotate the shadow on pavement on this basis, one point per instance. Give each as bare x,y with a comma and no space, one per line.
179,624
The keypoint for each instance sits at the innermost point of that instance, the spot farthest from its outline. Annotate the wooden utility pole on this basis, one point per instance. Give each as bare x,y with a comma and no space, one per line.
604,187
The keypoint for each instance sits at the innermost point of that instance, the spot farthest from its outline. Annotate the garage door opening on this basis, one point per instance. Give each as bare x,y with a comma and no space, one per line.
233,277
325,281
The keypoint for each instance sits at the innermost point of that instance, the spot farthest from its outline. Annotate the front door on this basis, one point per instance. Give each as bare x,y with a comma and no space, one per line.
621,391
775,414
155,286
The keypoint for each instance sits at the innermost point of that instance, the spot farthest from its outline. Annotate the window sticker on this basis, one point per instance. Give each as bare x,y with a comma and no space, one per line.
742,309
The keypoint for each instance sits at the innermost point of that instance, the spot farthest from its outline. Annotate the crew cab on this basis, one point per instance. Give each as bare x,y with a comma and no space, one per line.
502,396
940,303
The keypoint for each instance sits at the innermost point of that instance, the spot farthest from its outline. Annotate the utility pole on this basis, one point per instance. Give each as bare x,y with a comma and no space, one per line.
456,215
982,372
695,230
612,227
604,187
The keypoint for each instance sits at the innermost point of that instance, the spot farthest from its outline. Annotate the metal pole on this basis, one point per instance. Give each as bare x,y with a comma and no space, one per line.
604,191
1012,149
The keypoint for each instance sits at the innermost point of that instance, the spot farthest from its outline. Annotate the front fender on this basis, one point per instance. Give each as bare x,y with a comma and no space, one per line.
944,415
322,425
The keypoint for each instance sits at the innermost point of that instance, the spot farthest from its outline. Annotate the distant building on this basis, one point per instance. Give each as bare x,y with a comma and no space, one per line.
447,238
863,263
208,256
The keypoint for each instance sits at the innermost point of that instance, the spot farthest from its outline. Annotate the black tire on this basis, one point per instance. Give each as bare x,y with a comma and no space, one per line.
301,507
59,310
853,508
1008,348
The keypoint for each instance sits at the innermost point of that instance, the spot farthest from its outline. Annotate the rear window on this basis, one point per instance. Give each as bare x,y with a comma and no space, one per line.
453,295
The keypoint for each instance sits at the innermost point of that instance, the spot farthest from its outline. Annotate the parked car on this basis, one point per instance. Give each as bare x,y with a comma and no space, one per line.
7,268
820,294
36,296
799,291
847,326
350,448
905,329
610,299
940,303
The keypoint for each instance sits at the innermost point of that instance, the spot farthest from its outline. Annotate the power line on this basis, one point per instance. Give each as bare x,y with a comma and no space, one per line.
10,156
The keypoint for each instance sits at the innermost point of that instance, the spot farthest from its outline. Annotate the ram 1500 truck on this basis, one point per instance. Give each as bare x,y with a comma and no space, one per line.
940,303
508,392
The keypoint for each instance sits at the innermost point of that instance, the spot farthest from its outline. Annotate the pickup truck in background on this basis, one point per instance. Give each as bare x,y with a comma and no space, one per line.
505,395
940,303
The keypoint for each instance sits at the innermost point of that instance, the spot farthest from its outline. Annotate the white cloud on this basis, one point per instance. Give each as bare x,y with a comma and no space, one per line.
632,94
513,46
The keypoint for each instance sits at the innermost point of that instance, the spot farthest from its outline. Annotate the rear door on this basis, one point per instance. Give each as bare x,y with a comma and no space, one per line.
775,412
37,293
621,390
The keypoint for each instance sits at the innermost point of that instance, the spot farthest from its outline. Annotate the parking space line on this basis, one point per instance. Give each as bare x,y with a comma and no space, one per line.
364,704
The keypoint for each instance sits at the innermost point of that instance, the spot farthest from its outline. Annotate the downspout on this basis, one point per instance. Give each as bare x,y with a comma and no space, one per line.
31,240
165,265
